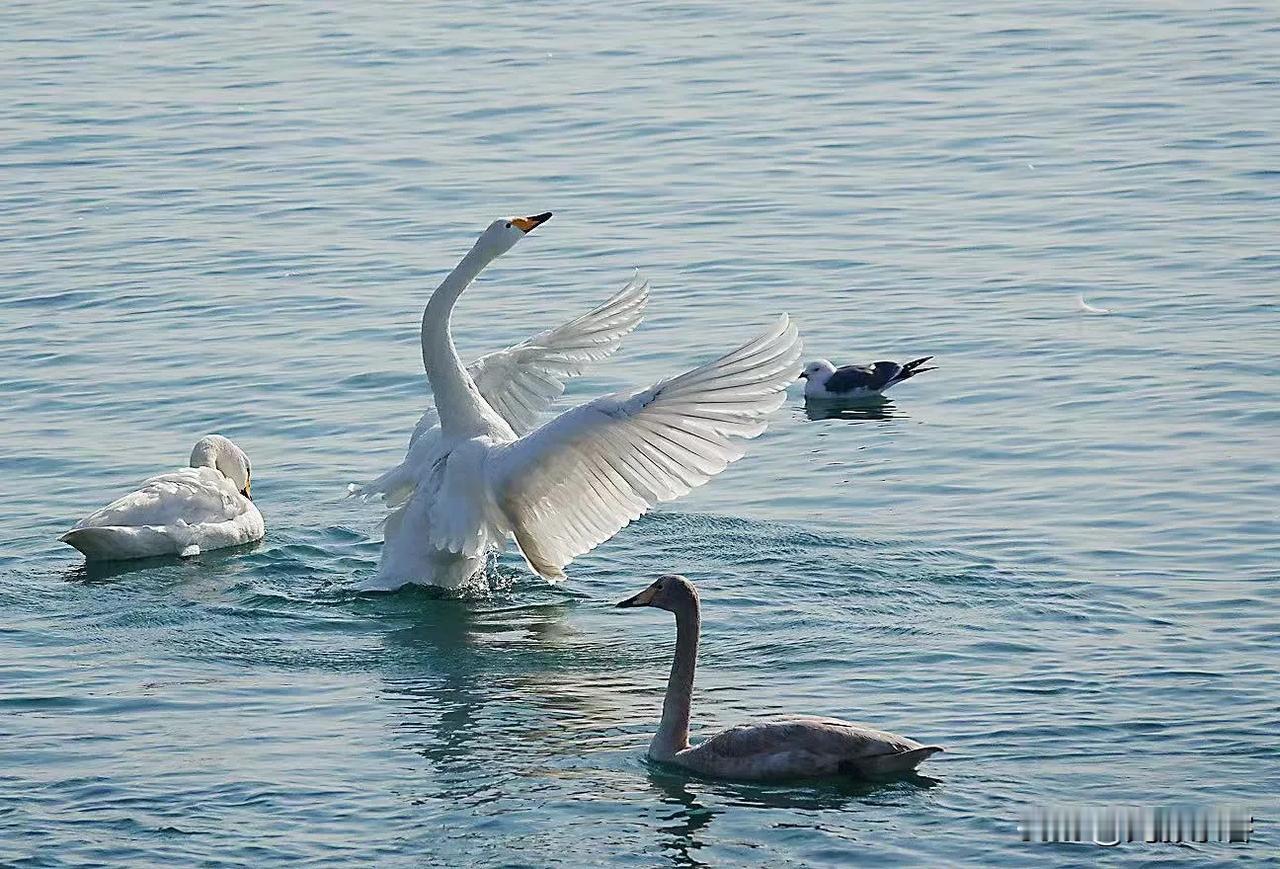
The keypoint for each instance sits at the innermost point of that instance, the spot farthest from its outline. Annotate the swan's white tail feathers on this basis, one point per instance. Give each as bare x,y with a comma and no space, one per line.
88,540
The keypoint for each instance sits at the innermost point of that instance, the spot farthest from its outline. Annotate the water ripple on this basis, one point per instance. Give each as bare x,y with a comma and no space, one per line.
1056,554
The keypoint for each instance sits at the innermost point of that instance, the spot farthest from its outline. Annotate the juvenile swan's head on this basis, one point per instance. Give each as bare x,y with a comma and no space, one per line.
502,235
670,592
215,451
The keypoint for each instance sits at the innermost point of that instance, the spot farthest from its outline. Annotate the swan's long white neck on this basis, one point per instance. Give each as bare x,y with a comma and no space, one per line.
457,400
673,731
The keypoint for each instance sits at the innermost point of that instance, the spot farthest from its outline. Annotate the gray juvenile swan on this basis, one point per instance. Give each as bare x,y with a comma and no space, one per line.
799,746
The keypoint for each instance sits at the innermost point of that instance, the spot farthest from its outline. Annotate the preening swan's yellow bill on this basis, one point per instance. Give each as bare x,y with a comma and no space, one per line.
245,492
527,224
644,598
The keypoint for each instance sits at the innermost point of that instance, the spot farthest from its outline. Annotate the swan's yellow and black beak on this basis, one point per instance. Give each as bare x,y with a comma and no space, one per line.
528,224
245,490
644,598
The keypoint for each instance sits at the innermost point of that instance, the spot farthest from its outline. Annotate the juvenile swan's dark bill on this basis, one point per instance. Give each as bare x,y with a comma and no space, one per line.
644,598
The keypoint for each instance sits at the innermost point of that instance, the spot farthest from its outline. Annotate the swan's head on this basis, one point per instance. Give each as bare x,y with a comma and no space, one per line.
671,592
502,235
818,371
215,451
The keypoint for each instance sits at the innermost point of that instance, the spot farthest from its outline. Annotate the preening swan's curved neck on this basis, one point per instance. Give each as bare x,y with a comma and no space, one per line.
673,731
457,400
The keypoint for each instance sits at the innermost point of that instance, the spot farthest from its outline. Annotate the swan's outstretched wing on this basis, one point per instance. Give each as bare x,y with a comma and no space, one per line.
521,381
577,480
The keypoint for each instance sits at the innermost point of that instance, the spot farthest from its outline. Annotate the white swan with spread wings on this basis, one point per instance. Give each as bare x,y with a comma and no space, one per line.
565,487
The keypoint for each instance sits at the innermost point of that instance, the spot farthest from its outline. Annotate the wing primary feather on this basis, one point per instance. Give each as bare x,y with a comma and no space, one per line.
522,381
575,481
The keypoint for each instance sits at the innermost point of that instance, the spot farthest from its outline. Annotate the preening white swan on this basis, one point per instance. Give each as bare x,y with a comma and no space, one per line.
184,512
522,381
791,747
564,488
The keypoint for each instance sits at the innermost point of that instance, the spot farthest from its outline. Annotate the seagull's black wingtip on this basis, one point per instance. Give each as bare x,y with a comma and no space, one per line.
913,368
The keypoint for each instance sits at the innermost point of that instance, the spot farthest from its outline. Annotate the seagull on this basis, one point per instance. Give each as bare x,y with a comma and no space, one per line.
824,381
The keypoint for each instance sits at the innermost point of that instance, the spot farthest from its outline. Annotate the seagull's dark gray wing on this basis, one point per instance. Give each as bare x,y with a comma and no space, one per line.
847,378
886,374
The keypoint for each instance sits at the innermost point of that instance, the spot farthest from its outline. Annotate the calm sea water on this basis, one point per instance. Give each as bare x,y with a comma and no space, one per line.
1057,555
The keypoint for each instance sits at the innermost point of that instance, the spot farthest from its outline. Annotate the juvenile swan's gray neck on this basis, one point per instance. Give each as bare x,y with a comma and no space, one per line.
457,400
673,731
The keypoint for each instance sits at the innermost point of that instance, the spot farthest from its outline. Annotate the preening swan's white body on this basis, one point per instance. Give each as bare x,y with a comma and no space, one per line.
569,485
183,512
791,747
521,382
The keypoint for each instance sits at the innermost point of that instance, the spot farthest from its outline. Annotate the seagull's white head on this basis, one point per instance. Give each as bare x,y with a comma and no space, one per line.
215,451
818,372
502,234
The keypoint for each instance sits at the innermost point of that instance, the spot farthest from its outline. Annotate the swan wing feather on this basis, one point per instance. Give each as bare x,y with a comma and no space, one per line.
804,746
522,381
427,422
829,737
580,478
193,495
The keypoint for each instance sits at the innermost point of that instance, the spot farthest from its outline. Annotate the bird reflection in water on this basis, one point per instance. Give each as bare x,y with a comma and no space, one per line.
684,824
483,689
215,562
697,801
866,410
455,661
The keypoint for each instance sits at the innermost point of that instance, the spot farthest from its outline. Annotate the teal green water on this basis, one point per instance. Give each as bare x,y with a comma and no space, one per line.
1056,555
